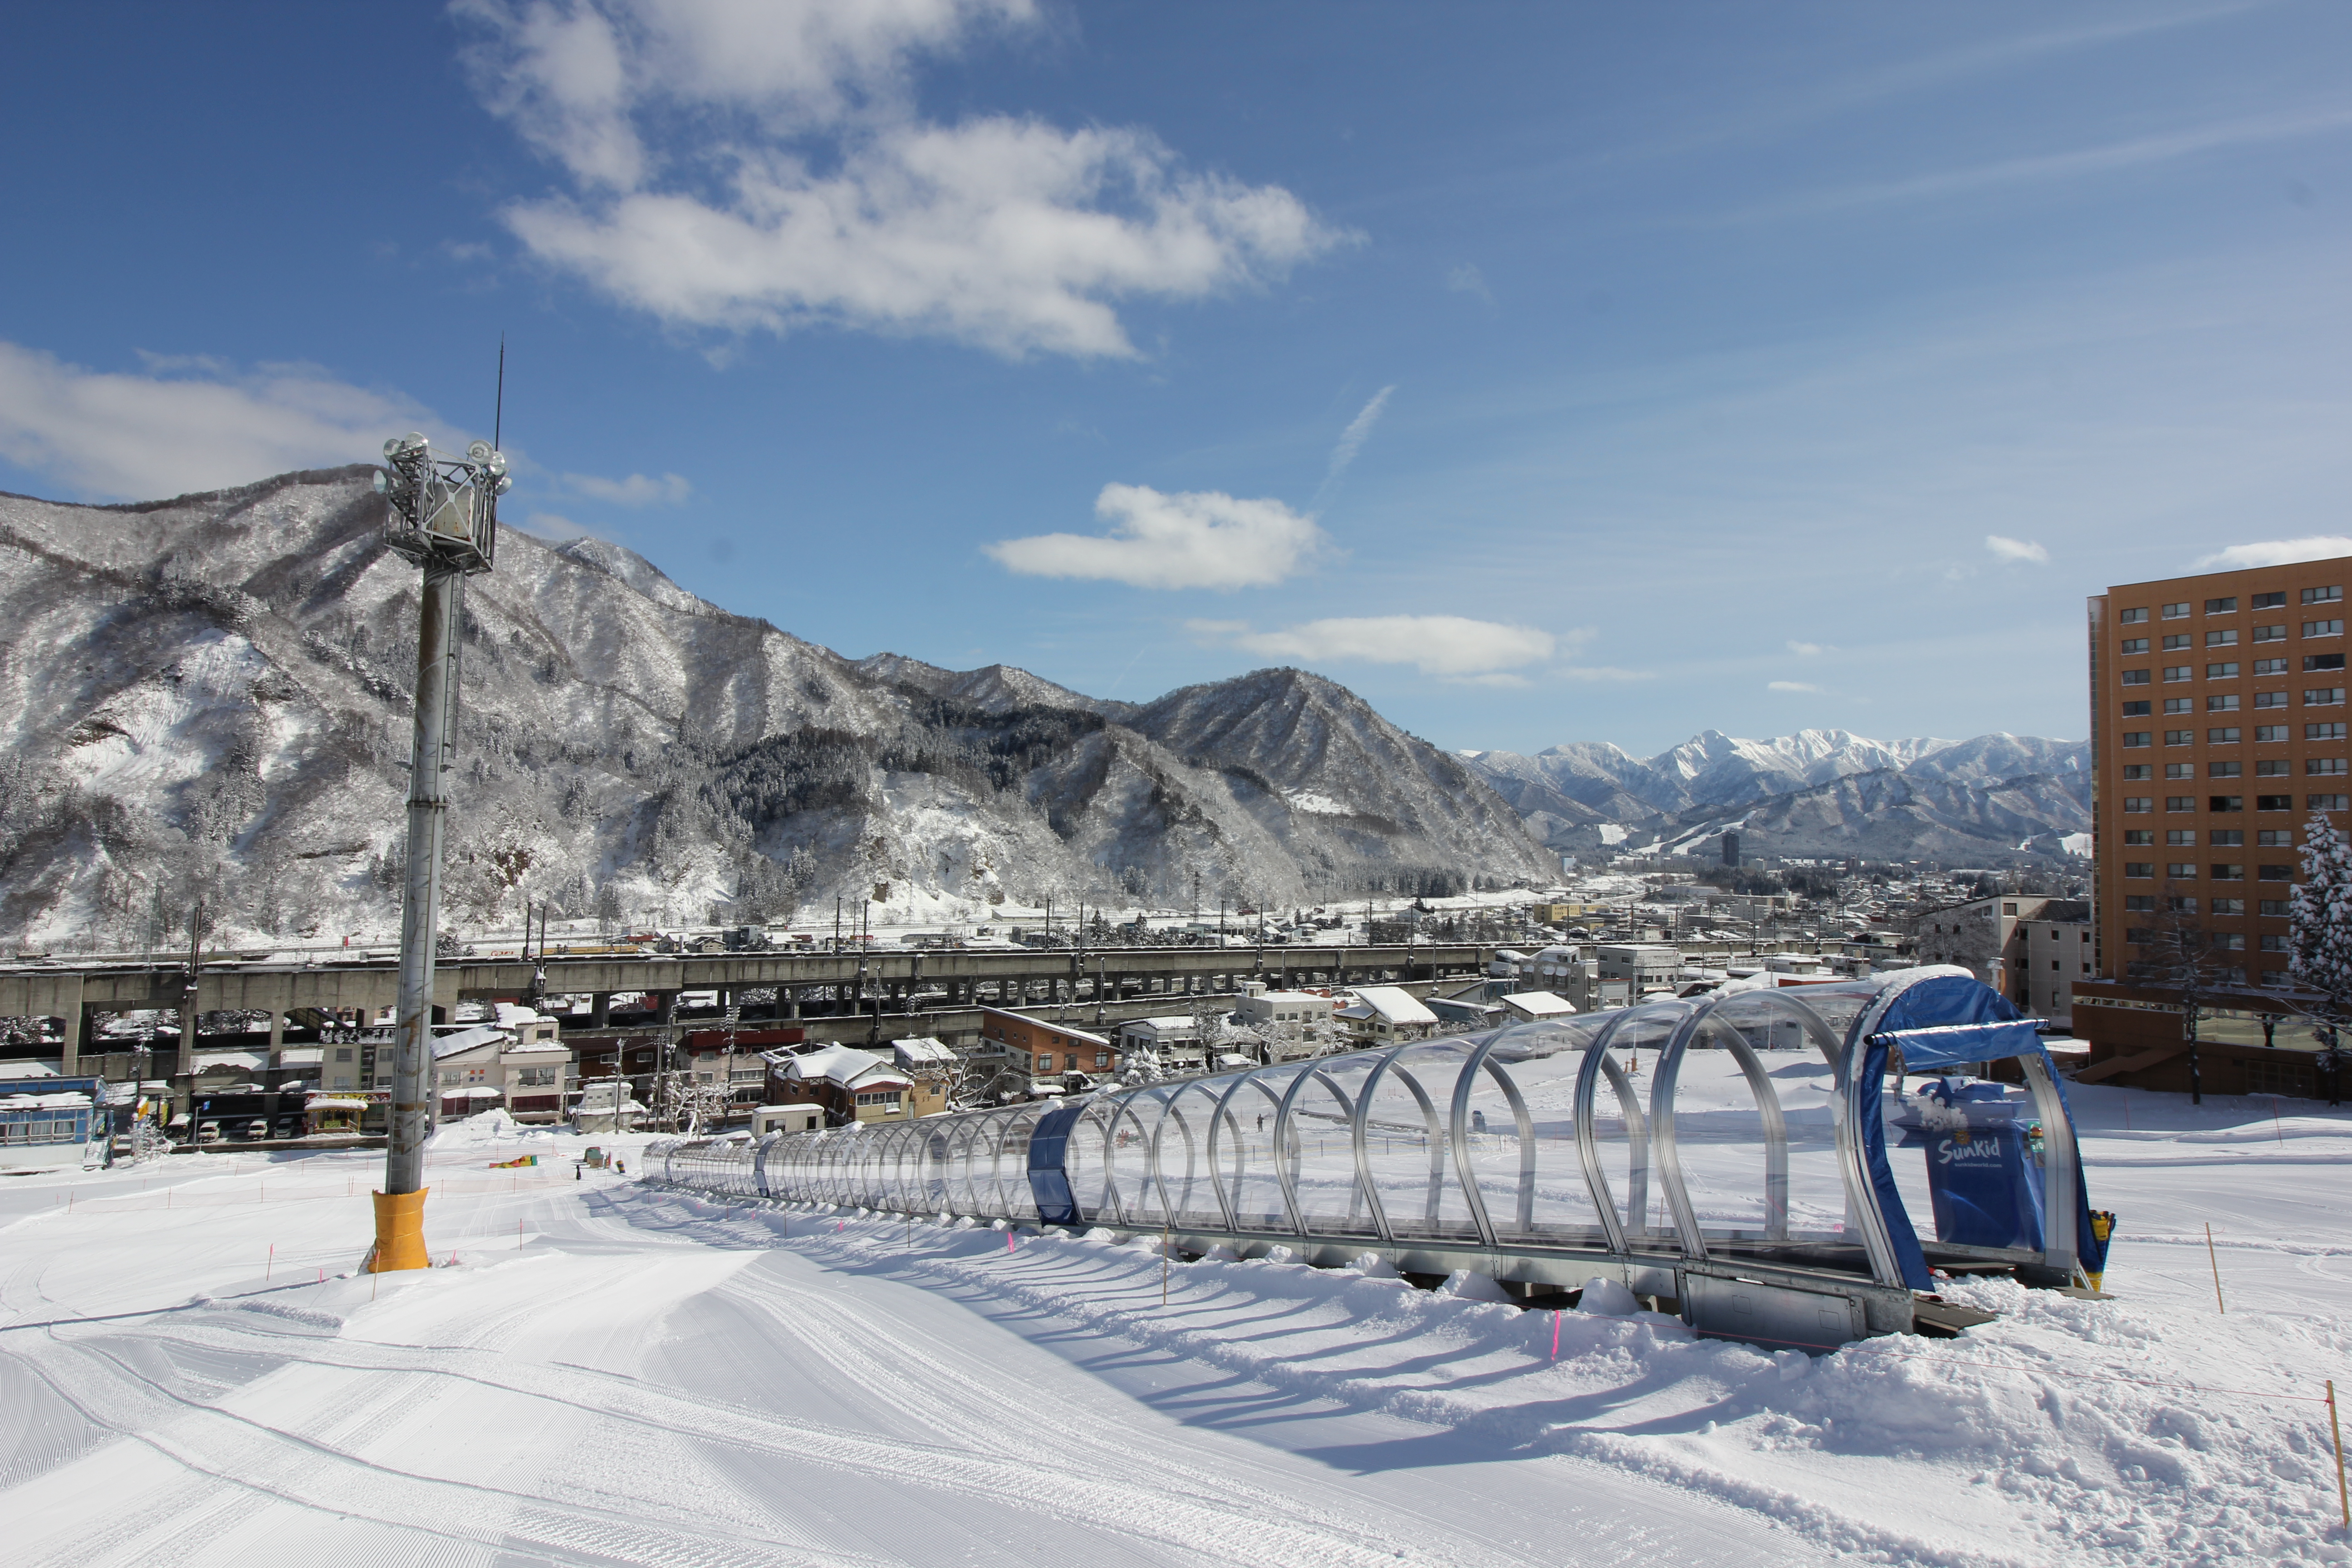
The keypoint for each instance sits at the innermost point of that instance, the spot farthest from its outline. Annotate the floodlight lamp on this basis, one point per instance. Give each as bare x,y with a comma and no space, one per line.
382,483
478,452
506,483
497,462
397,445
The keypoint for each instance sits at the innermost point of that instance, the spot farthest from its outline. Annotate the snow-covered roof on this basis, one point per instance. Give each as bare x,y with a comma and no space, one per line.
844,1064
43,1101
1539,1005
479,1091
1394,1003
921,1051
333,1103
467,1040
301,1056
514,1015
231,1059
1166,1024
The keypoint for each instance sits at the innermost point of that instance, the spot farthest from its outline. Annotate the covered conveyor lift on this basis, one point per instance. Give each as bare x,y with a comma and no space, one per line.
1759,1160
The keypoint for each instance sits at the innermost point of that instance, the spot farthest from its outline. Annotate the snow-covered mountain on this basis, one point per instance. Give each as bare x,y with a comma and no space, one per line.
1815,792
208,697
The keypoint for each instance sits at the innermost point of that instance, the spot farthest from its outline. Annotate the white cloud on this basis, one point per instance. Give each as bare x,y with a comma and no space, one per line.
1451,646
817,195
1791,685
2276,552
193,425
1807,649
2006,549
1603,674
637,489
1351,439
1194,538
1468,280
552,525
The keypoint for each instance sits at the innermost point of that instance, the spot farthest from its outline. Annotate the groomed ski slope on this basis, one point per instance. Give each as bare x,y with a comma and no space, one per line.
612,1373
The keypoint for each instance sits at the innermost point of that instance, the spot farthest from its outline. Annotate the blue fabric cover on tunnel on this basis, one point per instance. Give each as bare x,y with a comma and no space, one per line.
1923,1016
1049,1179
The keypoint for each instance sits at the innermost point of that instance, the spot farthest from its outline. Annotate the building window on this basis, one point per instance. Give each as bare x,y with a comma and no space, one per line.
2269,667
2135,644
2139,904
2136,711
2273,768
2229,906
2273,908
2224,770
1045,1062
2226,736
2182,906
2226,837
2138,838
2323,697
2137,737
2222,702
2323,596
2140,934
2270,873
2180,770
2270,734
2323,628
2314,662
2227,606
2134,617
2180,837
2139,803
2276,837
2134,771
2225,803
2140,868
2227,941
536,1078
2134,677
2180,737
2221,672
2183,870
2180,803
2180,611
2273,803
2318,767
2322,732
2270,634
2325,803
2228,639
2176,643
2178,704
2180,672
2270,698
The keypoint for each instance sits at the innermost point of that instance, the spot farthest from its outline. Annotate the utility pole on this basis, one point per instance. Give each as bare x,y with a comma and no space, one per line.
443,516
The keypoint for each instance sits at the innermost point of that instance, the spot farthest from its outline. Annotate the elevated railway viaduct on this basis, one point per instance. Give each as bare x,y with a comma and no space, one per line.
848,995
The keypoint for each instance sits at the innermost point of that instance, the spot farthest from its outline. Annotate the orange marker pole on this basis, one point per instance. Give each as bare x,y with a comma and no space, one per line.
2335,1430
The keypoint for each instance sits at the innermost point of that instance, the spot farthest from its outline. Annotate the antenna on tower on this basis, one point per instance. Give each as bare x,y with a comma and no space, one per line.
499,414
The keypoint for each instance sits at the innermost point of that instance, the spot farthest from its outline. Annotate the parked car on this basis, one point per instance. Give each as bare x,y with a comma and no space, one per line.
256,1130
209,1133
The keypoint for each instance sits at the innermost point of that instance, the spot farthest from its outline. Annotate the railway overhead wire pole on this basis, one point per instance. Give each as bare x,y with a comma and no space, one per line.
443,516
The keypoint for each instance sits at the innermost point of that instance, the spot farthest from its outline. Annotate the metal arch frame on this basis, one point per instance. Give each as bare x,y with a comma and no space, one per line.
1195,1152
1125,1111
1664,1134
1285,1162
1091,1118
1217,1123
1464,1084
1597,1063
1437,1136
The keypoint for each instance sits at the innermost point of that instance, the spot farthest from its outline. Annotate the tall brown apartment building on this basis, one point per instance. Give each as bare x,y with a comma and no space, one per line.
2218,721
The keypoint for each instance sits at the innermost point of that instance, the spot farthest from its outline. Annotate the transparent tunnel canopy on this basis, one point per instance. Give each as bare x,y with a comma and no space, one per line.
1724,1127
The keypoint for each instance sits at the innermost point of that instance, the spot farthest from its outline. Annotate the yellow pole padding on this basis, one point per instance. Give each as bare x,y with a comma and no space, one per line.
399,1233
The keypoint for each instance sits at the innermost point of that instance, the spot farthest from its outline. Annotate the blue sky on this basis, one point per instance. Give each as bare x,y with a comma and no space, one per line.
1543,372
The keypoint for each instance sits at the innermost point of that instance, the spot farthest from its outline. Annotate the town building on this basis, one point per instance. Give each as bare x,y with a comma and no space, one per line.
519,1064
1045,1053
1286,1019
1988,938
2218,731
1528,1007
848,1084
1384,1016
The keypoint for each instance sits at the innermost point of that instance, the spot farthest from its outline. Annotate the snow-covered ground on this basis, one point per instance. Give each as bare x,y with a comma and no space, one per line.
609,1373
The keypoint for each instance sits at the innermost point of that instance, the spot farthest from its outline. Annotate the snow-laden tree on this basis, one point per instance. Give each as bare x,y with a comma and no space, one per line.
2320,917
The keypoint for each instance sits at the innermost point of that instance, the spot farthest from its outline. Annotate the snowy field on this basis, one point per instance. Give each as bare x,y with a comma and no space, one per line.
610,1373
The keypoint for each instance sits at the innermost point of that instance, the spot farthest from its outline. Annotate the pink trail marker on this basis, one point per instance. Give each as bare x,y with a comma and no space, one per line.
1555,1336
1008,1241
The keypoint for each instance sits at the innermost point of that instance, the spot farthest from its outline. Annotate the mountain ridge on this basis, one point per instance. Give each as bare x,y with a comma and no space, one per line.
209,700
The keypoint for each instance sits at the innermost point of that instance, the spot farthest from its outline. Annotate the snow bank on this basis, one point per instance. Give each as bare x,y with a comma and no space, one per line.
2091,1432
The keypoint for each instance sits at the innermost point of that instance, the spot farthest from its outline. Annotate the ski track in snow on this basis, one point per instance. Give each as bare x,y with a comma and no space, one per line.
621,1374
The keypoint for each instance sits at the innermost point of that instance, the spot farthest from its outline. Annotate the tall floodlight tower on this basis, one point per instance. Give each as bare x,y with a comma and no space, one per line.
444,517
